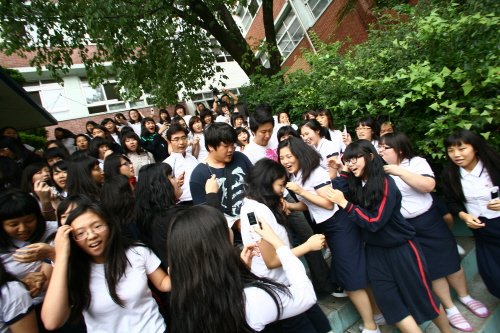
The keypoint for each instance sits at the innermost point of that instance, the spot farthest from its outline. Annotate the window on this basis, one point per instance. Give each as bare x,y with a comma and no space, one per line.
289,33
316,7
106,98
221,55
247,13
207,97
49,95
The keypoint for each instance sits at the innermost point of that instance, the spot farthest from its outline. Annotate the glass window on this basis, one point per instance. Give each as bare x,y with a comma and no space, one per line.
316,7
289,33
247,13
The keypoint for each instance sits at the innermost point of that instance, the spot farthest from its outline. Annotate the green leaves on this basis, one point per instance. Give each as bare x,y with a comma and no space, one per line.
433,72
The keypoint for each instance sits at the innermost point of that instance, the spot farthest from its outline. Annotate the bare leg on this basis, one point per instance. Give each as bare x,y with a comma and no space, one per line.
373,302
361,301
442,289
458,282
442,321
408,325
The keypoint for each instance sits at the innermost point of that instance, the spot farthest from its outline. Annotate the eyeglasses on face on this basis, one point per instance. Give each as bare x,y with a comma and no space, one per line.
84,234
352,160
383,147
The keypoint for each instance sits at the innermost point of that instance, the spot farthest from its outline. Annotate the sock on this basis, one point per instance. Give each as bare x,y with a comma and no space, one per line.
365,330
451,311
379,319
466,299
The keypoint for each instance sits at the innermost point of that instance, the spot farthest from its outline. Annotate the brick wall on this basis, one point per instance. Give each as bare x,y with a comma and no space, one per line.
14,61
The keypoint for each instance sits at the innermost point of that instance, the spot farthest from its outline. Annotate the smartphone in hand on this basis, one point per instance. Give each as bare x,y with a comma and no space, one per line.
252,219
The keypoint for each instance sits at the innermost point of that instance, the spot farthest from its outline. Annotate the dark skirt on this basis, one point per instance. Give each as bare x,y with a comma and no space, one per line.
488,254
437,243
348,252
399,280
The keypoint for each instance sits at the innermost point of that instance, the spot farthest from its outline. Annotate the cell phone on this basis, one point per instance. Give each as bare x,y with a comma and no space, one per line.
494,192
252,219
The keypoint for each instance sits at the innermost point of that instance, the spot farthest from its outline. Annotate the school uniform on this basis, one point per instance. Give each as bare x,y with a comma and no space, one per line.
396,267
435,238
327,149
476,187
348,267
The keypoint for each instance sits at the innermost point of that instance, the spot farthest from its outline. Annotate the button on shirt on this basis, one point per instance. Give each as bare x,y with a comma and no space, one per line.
477,186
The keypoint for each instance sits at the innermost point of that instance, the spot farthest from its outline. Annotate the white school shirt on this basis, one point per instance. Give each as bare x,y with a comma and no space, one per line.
15,303
140,160
477,186
413,202
260,308
203,153
326,149
248,236
180,164
319,177
140,312
21,269
336,138
136,127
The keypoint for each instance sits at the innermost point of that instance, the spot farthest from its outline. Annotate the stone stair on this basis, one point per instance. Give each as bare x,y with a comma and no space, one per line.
344,317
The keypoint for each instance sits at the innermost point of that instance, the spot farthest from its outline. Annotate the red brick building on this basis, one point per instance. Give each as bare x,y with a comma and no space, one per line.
75,102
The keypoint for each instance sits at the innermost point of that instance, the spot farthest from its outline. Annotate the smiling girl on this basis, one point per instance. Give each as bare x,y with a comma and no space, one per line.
104,276
396,267
137,155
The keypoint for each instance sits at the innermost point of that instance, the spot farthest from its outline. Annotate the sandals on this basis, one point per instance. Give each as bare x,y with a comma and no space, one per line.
460,323
477,308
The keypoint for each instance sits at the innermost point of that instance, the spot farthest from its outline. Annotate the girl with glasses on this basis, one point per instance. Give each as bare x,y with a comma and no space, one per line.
396,266
104,276
310,182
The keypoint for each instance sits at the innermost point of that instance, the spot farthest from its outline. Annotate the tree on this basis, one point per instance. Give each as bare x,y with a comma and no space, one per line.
156,46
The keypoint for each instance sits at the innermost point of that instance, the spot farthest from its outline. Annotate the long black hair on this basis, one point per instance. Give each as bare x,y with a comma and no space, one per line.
28,173
208,276
15,203
484,152
369,195
79,177
154,194
80,262
113,165
259,186
309,159
314,125
118,200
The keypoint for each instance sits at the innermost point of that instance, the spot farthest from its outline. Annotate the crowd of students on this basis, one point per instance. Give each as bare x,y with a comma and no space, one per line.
193,223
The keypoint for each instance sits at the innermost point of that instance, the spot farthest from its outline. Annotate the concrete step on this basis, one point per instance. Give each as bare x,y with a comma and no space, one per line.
344,317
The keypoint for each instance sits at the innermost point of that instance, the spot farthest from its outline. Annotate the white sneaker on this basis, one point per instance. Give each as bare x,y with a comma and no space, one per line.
339,292
379,320
461,250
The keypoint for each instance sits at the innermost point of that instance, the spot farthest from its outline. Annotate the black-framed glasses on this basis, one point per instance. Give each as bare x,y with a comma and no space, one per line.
384,147
352,160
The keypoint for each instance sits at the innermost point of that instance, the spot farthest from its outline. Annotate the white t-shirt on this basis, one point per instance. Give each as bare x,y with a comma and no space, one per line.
255,152
413,202
477,190
248,236
180,164
260,308
21,269
319,177
15,303
140,312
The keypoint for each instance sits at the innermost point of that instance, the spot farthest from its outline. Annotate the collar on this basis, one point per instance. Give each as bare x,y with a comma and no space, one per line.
477,171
